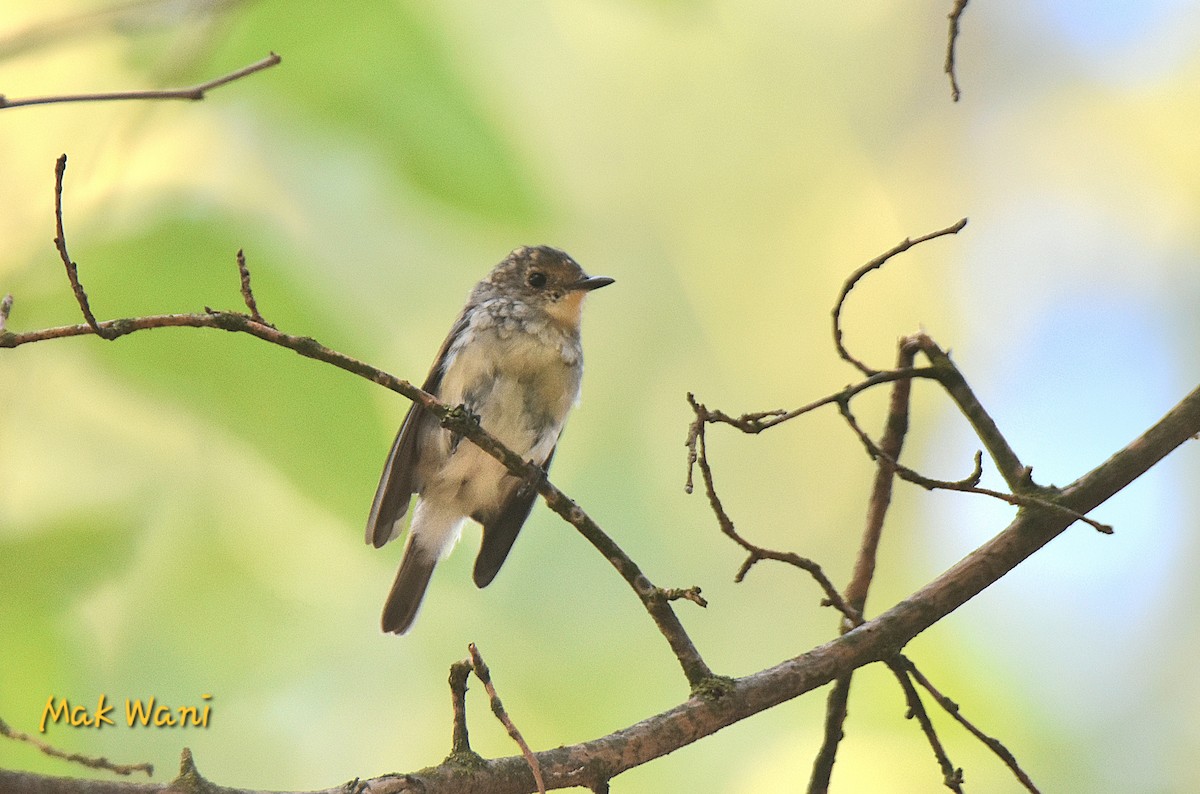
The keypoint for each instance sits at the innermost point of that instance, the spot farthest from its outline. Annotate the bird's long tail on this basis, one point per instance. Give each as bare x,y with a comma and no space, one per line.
432,534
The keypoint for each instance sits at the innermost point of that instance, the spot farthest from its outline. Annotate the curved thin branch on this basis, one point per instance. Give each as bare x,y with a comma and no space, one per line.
857,275
485,677
757,553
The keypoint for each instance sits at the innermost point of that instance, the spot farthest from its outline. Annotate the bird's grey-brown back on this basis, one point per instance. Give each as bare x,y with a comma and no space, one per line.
513,358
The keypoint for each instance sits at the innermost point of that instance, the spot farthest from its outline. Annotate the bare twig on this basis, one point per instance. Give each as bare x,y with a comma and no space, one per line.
60,242
1017,475
881,492
76,758
247,293
194,93
836,710
954,16
460,740
758,421
969,484
485,676
874,264
683,593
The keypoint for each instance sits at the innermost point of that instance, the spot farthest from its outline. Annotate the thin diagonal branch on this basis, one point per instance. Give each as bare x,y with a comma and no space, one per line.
194,93
75,758
1016,475
485,676
881,491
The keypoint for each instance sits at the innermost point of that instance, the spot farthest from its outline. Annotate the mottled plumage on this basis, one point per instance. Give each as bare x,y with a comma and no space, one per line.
513,358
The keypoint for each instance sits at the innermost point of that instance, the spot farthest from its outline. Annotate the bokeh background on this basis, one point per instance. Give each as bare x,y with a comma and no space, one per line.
181,511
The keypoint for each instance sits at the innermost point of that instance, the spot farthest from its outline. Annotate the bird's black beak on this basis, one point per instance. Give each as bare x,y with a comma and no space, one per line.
591,282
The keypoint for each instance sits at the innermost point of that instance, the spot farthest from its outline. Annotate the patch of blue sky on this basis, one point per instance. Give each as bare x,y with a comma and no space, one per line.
1078,380
1126,40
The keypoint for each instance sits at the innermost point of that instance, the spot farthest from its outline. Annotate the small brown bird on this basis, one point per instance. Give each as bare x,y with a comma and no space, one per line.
513,359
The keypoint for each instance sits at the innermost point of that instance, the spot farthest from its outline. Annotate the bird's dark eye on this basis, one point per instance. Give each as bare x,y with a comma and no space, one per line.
536,279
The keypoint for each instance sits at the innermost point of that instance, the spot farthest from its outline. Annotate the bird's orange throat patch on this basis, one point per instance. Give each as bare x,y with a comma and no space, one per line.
567,312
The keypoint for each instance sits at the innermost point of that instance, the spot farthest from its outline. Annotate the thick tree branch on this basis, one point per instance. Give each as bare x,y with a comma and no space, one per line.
876,640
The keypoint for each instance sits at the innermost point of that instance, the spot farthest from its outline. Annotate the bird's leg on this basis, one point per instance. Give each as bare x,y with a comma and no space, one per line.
460,413
534,477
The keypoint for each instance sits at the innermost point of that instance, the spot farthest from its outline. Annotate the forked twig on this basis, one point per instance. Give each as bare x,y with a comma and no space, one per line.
952,708
952,777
